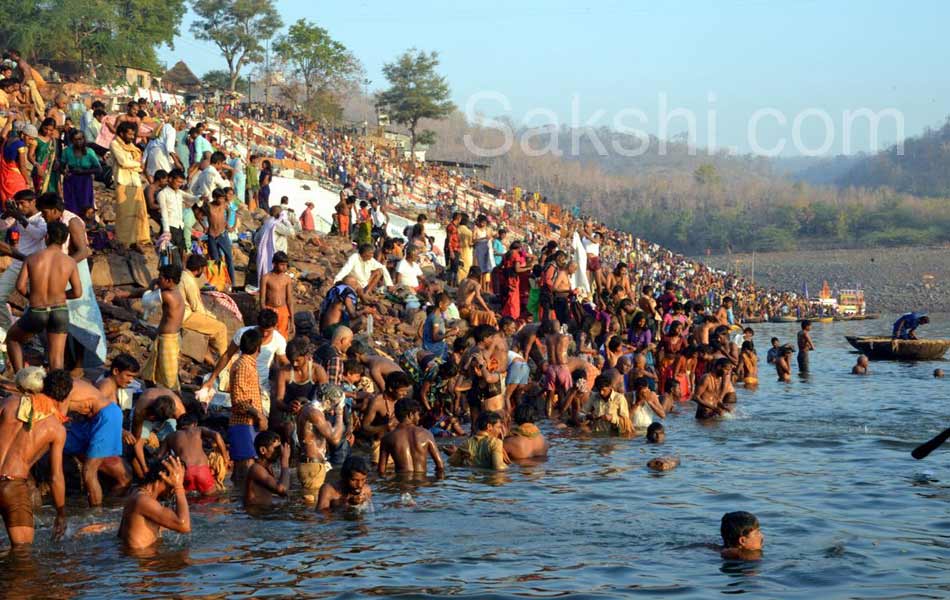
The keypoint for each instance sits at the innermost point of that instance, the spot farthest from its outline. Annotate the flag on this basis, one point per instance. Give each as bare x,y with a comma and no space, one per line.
805,288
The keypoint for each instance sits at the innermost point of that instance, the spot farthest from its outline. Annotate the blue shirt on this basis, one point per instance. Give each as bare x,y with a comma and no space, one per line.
906,324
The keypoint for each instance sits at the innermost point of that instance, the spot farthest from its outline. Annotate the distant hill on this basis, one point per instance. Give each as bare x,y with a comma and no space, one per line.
923,169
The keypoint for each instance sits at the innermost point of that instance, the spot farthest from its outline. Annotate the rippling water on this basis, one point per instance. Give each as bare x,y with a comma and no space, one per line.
824,463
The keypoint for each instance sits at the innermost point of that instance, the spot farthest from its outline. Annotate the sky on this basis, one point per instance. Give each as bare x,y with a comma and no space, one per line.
775,78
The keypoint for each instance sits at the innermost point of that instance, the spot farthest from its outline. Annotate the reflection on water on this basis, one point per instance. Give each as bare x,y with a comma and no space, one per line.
824,462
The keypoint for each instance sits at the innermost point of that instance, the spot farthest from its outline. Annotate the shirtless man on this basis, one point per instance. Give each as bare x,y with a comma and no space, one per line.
315,432
43,281
23,440
380,415
472,307
122,372
526,343
724,314
379,367
861,367
340,307
153,409
219,243
144,516
260,485
805,346
710,390
408,444
647,304
352,489
703,325
525,439
557,375
277,294
188,444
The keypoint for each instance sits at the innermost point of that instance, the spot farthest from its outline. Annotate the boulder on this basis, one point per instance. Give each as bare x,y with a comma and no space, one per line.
194,345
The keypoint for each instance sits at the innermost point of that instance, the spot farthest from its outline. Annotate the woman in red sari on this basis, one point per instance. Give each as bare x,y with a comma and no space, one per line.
15,167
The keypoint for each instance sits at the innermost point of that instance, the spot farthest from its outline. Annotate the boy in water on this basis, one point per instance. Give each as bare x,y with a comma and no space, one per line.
861,367
352,489
408,444
782,366
260,485
144,516
656,434
742,537
188,444
774,351
805,346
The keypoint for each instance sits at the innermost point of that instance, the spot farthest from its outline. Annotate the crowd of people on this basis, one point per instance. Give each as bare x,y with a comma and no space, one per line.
516,319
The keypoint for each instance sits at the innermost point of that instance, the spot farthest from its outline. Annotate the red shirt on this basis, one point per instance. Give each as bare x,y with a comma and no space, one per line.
452,238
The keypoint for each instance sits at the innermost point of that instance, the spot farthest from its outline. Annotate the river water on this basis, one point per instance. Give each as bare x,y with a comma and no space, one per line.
824,463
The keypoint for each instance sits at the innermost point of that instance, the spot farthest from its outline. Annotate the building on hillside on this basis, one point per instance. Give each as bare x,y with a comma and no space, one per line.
136,77
181,79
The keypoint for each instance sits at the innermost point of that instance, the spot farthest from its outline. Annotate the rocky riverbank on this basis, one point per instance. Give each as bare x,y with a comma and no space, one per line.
894,279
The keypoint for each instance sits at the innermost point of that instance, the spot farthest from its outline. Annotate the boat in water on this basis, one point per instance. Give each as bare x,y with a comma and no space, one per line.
885,348
783,319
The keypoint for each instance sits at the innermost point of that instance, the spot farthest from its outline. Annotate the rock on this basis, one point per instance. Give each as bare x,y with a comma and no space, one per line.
194,345
224,315
247,304
110,270
305,322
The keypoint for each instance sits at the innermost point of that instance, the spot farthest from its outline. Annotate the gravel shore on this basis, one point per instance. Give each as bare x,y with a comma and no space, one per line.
893,279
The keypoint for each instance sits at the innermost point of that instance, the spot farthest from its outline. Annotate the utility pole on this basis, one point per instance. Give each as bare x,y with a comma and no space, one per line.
267,74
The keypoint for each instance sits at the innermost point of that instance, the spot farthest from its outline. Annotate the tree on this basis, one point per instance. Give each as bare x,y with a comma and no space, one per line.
416,92
219,79
320,62
237,28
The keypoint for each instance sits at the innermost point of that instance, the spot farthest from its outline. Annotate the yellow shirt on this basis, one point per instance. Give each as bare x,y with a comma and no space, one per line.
481,450
191,290
614,408
128,163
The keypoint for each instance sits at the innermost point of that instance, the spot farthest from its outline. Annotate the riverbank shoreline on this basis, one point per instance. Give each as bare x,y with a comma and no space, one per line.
893,279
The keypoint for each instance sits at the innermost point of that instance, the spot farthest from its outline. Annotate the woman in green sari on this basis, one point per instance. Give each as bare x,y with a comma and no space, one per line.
45,178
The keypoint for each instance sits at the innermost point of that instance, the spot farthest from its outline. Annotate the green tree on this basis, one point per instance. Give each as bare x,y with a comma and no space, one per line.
706,174
416,92
237,28
219,79
320,62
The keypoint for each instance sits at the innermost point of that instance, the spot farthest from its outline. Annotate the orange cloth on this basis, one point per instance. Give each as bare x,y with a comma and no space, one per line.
283,319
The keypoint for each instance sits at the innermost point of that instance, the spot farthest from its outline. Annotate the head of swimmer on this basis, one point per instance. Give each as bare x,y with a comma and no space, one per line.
741,530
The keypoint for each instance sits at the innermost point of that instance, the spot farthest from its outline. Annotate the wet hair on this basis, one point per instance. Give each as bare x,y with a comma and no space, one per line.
653,431
602,381
296,348
775,339
163,408
251,341
50,200
125,126
170,272
614,343
397,380
351,366
186,420
56,233
124,362
265,439
486,419
474,272
353,464
280,257
58,384
195,262
736,525
748,330
525,413
267,318
806,323
747,345
641,382
405,408
483,332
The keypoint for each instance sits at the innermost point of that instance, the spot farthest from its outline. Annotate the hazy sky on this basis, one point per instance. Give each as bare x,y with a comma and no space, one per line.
804,60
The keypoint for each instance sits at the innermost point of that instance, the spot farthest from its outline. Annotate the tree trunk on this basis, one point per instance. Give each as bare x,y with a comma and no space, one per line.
412,143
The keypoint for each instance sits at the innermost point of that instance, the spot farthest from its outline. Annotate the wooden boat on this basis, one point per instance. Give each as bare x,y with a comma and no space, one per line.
783,319
885,348
824,319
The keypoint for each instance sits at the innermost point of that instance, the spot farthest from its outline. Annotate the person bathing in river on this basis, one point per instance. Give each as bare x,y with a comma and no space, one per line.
782,365
408,444
525,439
805,346
260,485
861,367
742,537
144,516
748,371
351,491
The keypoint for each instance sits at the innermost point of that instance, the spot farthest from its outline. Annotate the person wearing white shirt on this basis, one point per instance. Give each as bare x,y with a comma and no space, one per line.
379,217
160,152
365,269
171,201
32,240
210,179
408,271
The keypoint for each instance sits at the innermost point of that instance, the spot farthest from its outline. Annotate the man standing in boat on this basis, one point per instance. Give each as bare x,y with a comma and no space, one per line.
905,328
